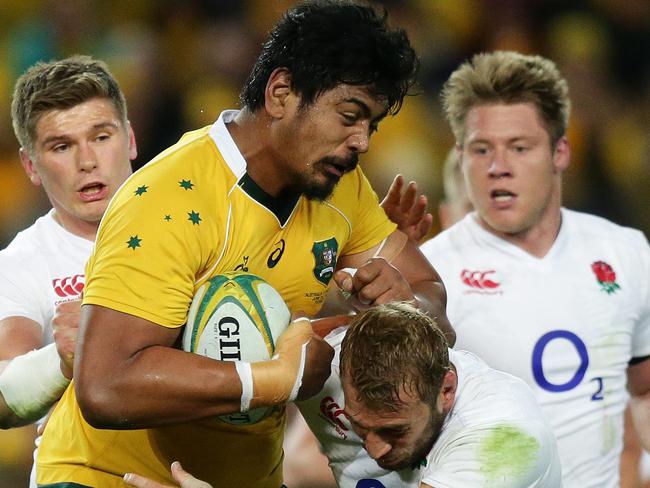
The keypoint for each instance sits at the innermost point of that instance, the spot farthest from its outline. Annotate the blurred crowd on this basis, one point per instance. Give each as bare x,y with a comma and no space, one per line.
181,63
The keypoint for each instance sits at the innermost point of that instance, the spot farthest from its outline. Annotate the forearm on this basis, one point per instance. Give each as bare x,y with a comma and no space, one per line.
29,386
163,386
431,297
640,410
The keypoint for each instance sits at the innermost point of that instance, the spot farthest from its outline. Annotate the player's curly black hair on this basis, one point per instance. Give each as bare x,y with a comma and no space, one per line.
325,43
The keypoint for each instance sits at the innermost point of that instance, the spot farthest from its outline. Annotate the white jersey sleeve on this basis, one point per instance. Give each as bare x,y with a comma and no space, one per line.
507,464
42,267
21,287
495,436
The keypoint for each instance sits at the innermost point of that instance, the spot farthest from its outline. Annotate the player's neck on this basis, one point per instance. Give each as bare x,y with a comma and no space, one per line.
249,131
539,238
78,227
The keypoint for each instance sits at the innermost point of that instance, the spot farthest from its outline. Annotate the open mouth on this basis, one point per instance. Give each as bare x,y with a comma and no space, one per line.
92,191
502,196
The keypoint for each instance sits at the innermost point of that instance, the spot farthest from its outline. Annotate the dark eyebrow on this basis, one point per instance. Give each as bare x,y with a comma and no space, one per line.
365,109
96,127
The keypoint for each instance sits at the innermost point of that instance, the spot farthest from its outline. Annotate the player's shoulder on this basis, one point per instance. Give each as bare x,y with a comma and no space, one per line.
194,153
452,240
25,256
599,230
193,168
26,243
486,395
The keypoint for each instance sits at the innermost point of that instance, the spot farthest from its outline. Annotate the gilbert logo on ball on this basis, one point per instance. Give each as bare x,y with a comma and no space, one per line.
236,317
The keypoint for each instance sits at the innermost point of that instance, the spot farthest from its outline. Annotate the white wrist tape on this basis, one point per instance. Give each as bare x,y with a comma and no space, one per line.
301,370
31,383
246,377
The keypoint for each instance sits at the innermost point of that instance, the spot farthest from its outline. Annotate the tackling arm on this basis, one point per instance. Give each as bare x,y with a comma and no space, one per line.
395,270
19,336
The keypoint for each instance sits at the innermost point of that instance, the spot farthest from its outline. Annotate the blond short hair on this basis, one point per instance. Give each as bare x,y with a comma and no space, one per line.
507,77
393,348
57,85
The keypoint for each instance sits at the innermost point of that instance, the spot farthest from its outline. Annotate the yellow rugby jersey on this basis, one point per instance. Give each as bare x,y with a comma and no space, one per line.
190,214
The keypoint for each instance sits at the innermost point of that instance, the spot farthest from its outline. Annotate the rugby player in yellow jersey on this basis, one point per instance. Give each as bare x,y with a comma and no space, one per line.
273,190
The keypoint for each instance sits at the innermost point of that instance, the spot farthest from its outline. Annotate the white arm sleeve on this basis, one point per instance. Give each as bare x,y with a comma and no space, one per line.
23,290
504,455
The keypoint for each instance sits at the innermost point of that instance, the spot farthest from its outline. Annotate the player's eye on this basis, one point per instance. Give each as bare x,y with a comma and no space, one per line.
349,118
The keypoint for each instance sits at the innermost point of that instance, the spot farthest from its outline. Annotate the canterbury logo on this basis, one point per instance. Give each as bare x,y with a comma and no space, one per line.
332,412
72,286
479,279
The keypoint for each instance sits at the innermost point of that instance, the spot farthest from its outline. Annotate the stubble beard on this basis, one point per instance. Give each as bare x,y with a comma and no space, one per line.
310,185
422,448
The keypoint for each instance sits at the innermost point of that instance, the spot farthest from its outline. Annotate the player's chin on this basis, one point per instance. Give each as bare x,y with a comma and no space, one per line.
91,212
506,223
393,464
321,189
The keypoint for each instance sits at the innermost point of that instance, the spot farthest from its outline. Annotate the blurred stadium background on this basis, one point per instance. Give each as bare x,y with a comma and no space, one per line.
181,63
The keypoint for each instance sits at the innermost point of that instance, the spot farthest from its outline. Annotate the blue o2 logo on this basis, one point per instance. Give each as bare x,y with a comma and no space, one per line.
368,483
581,349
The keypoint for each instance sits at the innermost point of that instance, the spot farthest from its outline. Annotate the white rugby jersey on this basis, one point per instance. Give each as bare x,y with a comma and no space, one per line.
568,324
495,433
40,268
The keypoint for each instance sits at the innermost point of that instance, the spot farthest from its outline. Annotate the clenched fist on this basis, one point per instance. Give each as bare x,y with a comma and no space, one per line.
65,326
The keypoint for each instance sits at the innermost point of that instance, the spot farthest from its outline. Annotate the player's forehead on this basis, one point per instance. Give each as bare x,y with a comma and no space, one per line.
507,121
89,115
362,96
407,410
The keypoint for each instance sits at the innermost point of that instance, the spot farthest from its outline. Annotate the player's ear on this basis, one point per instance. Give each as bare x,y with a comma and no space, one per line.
133,147
561,154
29,167
448,391
278,93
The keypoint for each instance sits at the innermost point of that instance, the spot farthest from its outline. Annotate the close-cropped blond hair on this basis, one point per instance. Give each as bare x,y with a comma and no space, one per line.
507,77
60,85
393,348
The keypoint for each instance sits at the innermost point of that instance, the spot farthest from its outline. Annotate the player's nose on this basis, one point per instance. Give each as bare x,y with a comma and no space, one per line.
376,446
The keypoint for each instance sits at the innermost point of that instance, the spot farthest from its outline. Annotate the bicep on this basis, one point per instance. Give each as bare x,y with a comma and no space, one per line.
109,338
388,249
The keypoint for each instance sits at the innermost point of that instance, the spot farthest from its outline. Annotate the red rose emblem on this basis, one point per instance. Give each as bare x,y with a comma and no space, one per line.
606,276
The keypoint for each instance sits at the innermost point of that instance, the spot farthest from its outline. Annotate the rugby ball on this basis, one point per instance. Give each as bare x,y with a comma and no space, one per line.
236,317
